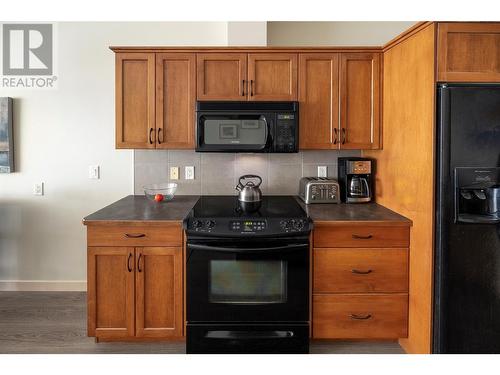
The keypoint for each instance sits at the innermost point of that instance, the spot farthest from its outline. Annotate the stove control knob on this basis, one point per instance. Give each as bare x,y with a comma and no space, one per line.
299,225
210,224
285,224
197,224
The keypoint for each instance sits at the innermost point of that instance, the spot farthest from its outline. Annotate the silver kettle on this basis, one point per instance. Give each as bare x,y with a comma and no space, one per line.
249,192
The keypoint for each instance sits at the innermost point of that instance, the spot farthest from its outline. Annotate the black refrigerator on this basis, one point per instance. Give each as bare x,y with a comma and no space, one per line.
467,232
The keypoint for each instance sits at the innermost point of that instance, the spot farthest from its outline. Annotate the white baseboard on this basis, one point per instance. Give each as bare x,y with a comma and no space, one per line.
43,285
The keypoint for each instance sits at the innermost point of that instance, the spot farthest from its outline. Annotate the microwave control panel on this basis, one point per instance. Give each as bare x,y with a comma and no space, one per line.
286,131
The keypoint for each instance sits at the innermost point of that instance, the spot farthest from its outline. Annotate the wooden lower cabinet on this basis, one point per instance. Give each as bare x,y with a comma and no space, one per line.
110,276
360,281
135,293
364,270
360,316
158,288
326,235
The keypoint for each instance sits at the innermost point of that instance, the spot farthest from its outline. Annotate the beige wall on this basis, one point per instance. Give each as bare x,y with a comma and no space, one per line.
246,33
333,33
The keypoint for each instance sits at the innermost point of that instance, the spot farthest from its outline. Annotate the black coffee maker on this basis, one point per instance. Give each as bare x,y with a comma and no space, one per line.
355,179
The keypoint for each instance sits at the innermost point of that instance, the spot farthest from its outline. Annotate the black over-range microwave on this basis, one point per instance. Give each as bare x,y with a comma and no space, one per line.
247,126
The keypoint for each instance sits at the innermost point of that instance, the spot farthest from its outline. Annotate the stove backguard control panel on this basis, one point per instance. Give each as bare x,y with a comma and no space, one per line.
247,226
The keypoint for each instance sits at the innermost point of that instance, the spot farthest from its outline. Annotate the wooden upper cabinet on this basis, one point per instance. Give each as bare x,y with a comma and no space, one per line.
110,273
359,100
468,52
221,76
319,100
175,100
272,76
159,301
135,100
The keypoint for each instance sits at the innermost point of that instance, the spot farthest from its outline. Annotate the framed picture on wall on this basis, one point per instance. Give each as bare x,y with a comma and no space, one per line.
6,136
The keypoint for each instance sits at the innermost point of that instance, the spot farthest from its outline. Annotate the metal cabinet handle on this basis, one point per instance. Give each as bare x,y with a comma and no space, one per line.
360,317
251,87
151,136
243,88
158,135
139,263
134,235
359,237
344,135
335,131
358,272
129,268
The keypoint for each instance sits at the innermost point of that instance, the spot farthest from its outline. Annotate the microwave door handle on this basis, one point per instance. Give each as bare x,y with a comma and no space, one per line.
269,133
244,250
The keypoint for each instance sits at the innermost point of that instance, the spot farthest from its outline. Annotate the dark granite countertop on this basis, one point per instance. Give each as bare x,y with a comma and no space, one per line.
353,213
137,208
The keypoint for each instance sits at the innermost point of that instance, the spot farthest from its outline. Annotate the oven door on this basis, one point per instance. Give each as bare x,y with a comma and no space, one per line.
247,281
232,132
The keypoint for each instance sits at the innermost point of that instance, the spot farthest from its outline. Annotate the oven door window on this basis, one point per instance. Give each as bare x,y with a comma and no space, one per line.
248,281
235,130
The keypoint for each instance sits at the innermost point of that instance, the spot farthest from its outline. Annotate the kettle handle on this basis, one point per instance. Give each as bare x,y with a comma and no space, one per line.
249,176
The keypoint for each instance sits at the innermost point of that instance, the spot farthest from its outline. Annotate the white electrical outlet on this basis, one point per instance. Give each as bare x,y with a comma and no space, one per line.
38,188
189,173
322,171
174,173
94,172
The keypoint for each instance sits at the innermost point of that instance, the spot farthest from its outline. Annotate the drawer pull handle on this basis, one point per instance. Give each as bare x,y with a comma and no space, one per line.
358,237
158,135
358,272
360,317
139,263
151,130
135,235
129,268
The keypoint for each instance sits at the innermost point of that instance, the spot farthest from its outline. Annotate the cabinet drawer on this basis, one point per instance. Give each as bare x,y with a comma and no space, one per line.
344,316
105,235
348,270
361,236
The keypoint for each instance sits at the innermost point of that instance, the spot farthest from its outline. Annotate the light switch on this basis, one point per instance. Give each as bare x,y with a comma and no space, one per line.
174,173
38,188
189,173
94,172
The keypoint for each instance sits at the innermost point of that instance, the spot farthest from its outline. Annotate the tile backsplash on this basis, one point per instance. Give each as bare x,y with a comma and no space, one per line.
218,173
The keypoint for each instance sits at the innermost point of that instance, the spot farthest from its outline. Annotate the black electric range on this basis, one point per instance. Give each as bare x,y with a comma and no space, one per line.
225,216
247,276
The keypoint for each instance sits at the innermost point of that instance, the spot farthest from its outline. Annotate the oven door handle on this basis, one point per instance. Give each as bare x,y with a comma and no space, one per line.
245,250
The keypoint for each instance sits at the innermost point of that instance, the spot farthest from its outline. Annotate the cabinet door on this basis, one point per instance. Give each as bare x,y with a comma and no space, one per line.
110,273
159,281
319,100
221,76
175,96
359,100
272,76
135,100
469,52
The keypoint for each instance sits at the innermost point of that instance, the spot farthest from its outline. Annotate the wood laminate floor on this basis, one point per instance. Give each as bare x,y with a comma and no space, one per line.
55,322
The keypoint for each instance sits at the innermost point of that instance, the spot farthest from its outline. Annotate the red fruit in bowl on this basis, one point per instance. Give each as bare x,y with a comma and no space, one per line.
159,197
